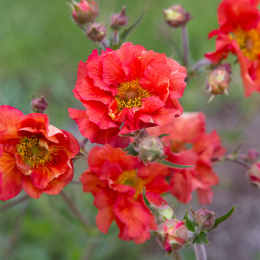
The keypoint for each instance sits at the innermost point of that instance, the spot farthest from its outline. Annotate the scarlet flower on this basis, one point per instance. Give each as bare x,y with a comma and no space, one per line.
116,180
254,174
189,144
239,33
34,155
124,91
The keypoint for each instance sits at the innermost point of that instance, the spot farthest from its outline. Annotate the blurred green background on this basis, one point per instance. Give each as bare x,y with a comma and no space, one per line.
40,51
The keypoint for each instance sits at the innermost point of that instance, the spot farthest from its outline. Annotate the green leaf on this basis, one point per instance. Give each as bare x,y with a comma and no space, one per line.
130,150
173,165
125,33
223,218
163,135
201,238
146,201
190,224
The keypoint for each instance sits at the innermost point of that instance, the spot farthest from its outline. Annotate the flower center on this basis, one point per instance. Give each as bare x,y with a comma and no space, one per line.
130,95
249,43
130,178
34,151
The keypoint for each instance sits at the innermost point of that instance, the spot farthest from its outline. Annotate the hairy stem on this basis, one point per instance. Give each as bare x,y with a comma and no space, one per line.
13,203
177,255
200,252
74,210
185,46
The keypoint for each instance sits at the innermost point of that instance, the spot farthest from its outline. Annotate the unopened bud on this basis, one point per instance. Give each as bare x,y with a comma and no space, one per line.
119,19
151,149
176,16
172,235
161,213
254,174
39,105
218,79
205,218
96,32
252,155
84,12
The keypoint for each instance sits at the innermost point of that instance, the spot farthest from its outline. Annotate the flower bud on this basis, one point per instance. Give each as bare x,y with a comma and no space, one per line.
119,19
96,32
161,213
151,149
85,11
176,16
254,174
172,235
39,105
252,155
205,218
218,79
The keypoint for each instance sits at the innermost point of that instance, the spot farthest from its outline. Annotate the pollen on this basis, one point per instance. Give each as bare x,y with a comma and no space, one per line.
130,178
130,95
249,43
33,151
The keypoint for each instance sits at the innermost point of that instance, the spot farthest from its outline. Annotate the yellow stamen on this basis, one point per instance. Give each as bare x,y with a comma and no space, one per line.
130,178
249,43
130,95
33,151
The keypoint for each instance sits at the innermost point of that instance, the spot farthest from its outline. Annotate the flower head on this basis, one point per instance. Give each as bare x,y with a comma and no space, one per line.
239,34
124,91
254,174
119,19
117,180
35,156
96,32
205,218
172,235
189,144
85,11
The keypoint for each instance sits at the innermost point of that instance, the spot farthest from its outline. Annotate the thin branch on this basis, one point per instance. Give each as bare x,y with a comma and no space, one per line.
200,251
185,45
74,210
13,203
177,255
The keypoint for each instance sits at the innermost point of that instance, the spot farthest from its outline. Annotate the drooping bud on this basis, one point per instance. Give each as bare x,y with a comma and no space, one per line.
252,155
150,149
218,79
39,105
119,19
176,16
85,11
205,218
172,235
96,32
254,174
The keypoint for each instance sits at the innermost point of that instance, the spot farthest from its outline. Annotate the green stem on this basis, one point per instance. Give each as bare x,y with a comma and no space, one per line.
185,45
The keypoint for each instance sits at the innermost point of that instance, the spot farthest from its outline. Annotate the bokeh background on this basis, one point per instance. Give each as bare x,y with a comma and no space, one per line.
40,51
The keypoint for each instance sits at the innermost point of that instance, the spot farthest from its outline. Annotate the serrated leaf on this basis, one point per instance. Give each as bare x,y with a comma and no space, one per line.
223,218
130,150
201,238
163,135
125,33
190,224
173,165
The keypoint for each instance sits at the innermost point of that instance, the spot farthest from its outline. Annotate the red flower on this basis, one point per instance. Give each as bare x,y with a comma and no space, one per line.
129,86
188,144
34,155
116,180
239,33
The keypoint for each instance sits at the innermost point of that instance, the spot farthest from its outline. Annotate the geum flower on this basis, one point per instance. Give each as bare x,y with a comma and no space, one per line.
239,34
124,91
117,180
189,144
34,155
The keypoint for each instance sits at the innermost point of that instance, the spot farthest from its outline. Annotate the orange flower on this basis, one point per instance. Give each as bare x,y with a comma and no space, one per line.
116,180
35,156
189,144
239,33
